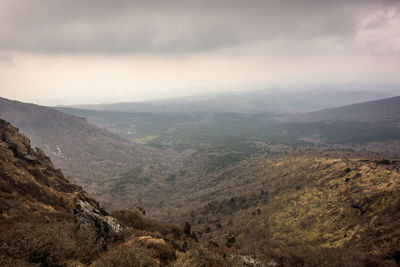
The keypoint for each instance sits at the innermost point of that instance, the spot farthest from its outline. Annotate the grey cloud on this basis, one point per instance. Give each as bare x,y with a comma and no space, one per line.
115,27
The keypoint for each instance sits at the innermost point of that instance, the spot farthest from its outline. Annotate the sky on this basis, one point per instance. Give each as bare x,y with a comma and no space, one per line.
97,51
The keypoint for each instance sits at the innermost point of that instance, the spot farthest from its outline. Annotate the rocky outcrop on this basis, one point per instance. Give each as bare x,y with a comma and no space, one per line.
91,218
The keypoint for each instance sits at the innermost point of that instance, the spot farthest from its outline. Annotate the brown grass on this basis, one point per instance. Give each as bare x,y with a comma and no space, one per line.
126,256
138,221
47,244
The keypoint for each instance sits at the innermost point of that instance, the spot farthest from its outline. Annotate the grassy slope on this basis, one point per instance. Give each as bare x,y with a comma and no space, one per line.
307,201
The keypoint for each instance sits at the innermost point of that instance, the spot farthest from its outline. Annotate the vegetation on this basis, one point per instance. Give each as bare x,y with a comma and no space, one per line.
245,188
296,202
181,131
220,162
51,244
47,221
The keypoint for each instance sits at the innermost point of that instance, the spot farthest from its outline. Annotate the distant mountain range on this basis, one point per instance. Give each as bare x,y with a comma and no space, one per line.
250,102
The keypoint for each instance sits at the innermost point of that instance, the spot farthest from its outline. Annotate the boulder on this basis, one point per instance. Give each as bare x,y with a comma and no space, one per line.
91,218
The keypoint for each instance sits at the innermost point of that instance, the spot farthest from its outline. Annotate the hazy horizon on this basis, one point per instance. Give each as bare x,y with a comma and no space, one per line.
72,52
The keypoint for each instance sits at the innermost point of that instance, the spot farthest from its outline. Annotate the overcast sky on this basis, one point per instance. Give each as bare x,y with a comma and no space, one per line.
67,51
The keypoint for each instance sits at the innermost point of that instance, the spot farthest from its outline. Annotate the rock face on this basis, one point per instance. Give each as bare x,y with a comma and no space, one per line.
91,218
31,189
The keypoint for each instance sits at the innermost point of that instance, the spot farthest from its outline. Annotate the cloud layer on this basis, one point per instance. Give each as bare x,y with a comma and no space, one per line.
191,26
80,51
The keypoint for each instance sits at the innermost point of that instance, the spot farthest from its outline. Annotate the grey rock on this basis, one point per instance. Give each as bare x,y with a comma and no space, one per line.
91,218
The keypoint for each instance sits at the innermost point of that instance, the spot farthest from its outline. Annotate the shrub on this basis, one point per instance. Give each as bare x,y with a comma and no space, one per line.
125,256
49,244
136,220
203,258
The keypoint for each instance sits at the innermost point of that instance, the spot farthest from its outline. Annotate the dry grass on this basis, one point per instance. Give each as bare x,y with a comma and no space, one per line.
47,244
297,202
136,220
126,256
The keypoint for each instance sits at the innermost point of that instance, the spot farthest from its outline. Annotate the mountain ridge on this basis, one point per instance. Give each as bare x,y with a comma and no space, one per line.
382,110
249,102
87,154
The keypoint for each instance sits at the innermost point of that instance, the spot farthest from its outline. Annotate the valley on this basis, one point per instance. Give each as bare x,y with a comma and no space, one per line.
279,185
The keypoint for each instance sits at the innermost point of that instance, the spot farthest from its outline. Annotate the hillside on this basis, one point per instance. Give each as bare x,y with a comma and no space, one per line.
336,207
34,194
85,152
384,110
47,221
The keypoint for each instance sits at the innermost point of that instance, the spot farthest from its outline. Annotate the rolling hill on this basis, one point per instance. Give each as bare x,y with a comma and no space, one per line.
384,110
269,100
356,125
